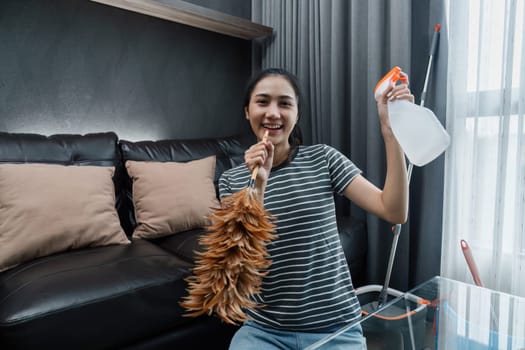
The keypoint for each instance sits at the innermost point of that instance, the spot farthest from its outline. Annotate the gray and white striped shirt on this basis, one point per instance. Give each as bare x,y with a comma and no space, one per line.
308,286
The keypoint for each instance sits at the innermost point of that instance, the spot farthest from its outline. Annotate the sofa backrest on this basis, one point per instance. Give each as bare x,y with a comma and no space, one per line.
68,149
99,149
104,149
229,152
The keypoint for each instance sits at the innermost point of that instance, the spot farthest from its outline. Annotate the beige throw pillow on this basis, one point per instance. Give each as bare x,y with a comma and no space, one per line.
172,197
46,209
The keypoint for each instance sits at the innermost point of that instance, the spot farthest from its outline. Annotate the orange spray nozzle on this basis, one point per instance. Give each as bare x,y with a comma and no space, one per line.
395,75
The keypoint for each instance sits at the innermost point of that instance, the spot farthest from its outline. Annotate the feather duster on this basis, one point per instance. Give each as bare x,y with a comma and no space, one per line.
230,269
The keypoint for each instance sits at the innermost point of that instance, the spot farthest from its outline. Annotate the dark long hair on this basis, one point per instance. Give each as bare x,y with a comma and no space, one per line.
296,136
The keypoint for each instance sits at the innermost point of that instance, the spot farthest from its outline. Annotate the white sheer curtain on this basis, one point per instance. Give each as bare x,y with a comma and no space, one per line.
485,167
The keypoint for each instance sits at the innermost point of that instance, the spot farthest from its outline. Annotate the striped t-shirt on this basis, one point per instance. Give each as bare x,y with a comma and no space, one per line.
308,286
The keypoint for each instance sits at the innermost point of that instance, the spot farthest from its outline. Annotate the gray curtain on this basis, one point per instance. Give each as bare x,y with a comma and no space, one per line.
339,50
427,185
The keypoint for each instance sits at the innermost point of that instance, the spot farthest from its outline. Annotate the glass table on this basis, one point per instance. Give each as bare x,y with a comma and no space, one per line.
439,314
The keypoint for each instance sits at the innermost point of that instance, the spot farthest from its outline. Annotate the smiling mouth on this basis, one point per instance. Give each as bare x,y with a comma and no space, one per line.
272,126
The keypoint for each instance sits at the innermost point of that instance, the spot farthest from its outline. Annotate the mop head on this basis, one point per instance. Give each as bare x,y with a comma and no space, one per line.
229,270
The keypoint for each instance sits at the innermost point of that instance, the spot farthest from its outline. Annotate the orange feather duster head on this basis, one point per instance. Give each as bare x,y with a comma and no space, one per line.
230,269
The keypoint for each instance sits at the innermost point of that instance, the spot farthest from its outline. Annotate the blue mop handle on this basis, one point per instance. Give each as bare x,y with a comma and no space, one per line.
383,296
433,47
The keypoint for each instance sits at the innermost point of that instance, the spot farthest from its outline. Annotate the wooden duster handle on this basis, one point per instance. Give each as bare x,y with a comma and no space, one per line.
256,170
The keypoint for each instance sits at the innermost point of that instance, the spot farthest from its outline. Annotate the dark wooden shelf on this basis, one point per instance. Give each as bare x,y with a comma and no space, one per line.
195,16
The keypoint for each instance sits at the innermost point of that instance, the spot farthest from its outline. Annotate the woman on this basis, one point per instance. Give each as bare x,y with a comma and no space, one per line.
308,292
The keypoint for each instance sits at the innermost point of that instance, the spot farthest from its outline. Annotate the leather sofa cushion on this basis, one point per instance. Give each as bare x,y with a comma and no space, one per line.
183,244
79,297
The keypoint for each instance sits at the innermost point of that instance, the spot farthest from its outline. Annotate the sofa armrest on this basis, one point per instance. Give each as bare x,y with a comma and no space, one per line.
354,239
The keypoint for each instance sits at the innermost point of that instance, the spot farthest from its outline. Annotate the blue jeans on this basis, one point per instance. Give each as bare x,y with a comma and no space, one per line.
253,336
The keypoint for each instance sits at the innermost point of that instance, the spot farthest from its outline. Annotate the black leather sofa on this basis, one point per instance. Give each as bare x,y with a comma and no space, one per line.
121,296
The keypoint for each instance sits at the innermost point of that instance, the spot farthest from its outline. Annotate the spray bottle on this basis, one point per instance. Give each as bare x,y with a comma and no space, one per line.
416,128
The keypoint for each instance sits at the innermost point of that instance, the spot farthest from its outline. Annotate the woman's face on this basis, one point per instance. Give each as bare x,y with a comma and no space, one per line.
273,107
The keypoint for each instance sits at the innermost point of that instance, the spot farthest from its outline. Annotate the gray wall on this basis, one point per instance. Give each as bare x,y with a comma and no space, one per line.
75,66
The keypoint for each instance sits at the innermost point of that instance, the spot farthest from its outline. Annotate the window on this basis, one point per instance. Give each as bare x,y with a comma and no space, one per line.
485,166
